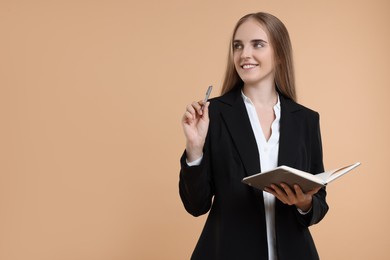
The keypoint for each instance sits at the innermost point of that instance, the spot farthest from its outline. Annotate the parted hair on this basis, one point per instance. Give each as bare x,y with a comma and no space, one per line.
281,44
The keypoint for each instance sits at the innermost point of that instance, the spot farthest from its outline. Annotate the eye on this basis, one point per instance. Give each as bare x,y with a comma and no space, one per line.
258,44
237,46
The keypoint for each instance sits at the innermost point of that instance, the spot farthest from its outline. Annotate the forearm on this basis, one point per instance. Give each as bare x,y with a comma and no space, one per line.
319,207
195,187
317,212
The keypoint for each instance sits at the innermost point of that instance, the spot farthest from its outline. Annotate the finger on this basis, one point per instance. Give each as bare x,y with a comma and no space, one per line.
298,190
300,195
290,194
270,190
280,193
273,192
205,109
313,191
287,190
191,110
198,107
188,117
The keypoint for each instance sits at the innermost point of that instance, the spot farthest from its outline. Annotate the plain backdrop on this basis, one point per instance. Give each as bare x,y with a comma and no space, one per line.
91,98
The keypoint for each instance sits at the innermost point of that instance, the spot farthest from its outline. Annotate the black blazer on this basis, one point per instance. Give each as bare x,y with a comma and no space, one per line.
235,227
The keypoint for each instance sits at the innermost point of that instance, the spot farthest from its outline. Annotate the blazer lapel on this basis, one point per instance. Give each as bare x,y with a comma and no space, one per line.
289,129
237,121
238,124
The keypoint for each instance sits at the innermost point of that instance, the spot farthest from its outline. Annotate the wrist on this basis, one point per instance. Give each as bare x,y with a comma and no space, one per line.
304,206
193,153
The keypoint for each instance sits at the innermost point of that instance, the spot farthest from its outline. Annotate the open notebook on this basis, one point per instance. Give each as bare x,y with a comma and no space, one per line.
291,176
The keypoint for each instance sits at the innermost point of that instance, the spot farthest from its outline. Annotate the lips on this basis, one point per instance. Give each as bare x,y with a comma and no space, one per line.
248,66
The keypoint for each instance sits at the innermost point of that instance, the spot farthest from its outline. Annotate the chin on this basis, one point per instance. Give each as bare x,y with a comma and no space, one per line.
250,81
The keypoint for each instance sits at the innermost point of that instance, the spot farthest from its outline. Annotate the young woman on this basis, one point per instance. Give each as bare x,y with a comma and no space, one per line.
254,126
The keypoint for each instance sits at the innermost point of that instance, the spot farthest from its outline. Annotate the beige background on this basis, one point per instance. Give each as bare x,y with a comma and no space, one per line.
91,96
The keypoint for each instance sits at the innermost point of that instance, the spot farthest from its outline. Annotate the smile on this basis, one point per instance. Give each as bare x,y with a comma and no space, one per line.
249,66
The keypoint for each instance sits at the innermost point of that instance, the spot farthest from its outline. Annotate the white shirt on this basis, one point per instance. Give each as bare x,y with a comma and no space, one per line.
268,151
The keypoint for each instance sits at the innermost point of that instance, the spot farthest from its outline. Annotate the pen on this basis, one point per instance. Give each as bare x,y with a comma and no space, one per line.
208,92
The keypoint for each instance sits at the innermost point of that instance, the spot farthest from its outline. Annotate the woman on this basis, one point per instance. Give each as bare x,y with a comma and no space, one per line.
254,126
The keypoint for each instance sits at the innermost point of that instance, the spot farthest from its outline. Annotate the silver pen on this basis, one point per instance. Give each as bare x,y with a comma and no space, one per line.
208,92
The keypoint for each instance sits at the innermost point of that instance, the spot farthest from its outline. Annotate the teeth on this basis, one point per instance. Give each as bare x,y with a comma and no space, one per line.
248,66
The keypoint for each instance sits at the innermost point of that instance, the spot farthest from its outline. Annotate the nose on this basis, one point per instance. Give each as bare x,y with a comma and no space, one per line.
246,52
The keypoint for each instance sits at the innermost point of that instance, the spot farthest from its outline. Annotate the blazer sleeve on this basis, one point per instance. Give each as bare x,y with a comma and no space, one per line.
319,204
195,185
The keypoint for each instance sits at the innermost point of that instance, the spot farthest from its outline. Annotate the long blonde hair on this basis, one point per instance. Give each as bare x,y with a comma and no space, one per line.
280,41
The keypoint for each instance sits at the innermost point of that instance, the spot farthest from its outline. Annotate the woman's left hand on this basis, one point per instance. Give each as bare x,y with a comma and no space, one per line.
295,196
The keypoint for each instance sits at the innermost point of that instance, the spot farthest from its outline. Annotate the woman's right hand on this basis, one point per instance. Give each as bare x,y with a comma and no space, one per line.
195,123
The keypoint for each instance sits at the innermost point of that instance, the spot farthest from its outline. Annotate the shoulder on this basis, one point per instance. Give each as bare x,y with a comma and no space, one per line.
293,106
298,110
229,99
226,101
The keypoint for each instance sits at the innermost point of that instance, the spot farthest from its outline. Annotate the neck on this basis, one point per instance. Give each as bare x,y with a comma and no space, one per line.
264,95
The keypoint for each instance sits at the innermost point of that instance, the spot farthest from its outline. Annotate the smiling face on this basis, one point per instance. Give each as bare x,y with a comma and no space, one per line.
253,55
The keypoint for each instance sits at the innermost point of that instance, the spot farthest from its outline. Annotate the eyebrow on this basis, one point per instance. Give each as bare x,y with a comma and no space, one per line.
252,41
